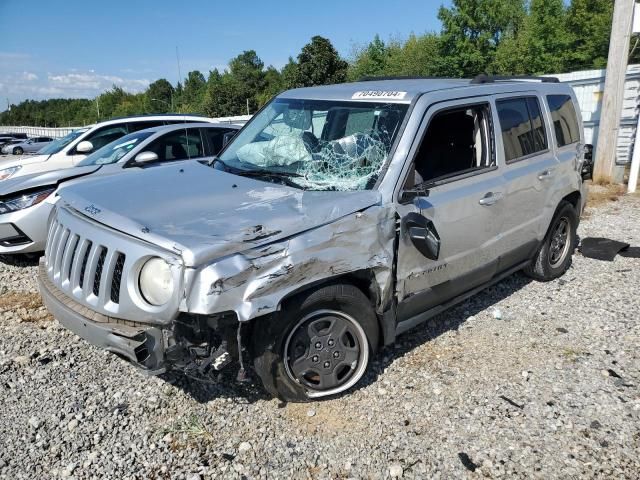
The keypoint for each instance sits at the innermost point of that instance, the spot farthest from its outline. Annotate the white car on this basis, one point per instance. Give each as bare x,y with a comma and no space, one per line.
71,149
26,202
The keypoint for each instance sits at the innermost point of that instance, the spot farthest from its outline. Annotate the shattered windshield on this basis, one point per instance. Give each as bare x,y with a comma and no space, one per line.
318,145
114,151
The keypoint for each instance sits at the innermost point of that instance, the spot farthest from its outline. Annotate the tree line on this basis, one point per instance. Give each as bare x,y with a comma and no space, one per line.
502,37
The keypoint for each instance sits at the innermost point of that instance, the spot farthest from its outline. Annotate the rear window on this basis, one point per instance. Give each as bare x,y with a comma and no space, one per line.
565,120
523,130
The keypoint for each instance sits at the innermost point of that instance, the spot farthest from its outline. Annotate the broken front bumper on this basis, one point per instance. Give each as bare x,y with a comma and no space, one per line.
141,344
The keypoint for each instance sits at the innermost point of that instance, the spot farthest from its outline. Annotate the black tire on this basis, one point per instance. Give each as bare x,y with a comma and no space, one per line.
18,151
549,262
338,305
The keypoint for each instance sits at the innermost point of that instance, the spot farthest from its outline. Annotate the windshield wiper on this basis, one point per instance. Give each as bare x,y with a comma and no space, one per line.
285,177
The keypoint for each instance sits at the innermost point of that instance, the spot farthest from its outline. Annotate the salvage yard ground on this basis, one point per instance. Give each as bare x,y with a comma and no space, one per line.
524,380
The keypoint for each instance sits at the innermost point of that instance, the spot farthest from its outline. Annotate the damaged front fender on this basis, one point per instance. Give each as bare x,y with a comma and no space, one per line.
256,281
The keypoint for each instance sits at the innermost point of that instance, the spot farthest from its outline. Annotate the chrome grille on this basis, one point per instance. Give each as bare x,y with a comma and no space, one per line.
96,266
84,267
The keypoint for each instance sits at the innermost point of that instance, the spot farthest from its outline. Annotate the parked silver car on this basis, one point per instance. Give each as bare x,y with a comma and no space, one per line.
31,145
338,218
26,202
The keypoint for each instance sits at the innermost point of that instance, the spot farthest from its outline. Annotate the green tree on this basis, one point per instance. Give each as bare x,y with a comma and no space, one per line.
273,85
289,74
418,56
589,28
472,30
159,96
370,61
540,46
319,64
247,71
193,92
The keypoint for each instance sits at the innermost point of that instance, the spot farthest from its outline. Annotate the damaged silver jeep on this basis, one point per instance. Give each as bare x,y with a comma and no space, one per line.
338,218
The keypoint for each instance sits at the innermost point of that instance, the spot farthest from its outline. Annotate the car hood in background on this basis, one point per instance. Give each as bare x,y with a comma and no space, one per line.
35,180
22,160
205,213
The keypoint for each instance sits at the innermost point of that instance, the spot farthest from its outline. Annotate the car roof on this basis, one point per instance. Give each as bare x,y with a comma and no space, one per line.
179,126
410,88
146,118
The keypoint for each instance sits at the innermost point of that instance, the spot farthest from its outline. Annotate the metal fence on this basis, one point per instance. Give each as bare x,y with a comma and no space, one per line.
61,132
589,88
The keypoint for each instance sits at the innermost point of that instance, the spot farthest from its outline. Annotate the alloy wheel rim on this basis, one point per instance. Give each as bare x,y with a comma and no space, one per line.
560,242
326,352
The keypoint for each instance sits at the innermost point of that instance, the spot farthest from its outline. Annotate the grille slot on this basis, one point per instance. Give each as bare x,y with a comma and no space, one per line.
83,267
76,241
97,278
117,277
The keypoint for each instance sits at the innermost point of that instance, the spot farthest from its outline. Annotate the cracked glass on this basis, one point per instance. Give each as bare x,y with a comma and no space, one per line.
318,145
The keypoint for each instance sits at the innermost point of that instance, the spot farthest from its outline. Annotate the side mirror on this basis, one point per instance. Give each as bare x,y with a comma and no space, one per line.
413,195
587,166
146,157
84,147
226,138
423,235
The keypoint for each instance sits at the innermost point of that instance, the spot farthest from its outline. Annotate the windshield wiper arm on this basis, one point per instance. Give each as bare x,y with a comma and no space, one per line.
283,176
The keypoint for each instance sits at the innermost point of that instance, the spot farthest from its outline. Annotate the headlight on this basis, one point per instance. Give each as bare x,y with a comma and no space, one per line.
24,201
156,281
8,172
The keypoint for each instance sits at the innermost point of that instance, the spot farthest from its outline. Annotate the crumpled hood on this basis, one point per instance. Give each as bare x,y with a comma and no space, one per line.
205,213
35,180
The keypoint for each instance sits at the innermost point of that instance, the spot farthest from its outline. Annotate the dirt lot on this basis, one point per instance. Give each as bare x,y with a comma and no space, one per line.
524,380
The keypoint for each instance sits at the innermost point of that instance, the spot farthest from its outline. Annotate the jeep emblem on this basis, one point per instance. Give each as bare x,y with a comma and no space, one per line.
92,210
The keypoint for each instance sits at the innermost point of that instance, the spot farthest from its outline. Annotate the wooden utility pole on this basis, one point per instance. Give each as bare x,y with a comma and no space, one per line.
613,91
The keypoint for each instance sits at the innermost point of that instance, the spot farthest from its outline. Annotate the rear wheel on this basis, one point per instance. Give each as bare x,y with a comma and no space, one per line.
318,346
555,254
18,151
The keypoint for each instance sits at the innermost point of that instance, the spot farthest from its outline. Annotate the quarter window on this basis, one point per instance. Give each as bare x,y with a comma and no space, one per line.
522,125
565,121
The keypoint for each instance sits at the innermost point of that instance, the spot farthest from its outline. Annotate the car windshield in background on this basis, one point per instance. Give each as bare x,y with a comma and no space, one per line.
60,143
321,145
114,151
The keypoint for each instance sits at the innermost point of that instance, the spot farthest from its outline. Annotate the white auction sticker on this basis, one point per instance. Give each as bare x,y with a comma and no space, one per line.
379,95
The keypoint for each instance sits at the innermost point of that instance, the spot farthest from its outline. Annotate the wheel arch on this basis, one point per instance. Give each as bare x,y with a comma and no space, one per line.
364,280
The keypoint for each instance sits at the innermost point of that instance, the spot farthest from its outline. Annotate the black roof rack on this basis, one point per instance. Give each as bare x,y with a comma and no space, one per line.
484,78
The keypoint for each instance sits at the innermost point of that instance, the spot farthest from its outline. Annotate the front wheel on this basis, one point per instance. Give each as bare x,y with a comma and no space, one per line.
555,254
18,151
318,346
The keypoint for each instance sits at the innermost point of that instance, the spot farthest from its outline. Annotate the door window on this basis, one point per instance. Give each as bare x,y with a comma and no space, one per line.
565,121
136,126
179,145
457,141
216,138
105,135
522,125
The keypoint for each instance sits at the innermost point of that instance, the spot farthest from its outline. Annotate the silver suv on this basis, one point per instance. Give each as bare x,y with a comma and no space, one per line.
338,218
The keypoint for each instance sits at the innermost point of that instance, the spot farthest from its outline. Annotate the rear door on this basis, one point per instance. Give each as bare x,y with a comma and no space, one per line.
529,171
454,160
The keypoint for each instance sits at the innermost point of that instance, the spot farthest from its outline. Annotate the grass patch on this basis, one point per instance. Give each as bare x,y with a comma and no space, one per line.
192,426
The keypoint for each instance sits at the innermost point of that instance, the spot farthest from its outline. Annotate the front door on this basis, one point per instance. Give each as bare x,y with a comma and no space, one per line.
455,184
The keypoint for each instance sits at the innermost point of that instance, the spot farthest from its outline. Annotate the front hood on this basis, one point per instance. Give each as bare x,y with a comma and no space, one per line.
35,180
22,160
205,213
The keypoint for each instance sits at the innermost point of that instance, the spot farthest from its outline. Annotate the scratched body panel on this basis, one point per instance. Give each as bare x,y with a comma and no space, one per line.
254,282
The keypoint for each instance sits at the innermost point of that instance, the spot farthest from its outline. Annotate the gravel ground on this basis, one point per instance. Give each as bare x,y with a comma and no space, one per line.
524,380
